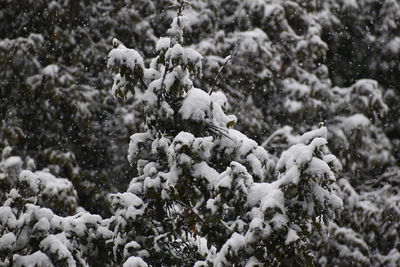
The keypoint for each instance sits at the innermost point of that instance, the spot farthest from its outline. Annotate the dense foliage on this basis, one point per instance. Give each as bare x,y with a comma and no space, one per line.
132,159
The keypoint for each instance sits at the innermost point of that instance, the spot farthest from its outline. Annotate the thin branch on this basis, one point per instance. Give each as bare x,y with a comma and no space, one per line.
163,78
180,10
219,130
191,209
143,83
227,59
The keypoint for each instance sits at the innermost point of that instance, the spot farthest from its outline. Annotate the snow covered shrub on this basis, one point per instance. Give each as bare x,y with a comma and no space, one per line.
49,191
206,194
33,231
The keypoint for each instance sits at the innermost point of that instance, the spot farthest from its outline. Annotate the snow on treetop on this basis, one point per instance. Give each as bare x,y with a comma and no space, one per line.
194,60
320,167
122,56
184,140
176,29
196,105
175,53
220,99
199,106
131,205
43,225
137,141
203,170
135,262
163,43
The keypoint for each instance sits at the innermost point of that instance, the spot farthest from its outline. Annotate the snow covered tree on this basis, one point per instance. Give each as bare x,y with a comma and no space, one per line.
206,194
286,67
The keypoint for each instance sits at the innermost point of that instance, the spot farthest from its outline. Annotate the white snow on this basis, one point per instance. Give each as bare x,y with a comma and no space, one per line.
174,53
356,121
262,193
293,106
196,105
7,217
36,259
291,237
135,262
203,170
58,245
308,136
199,106
13,162
220,99
319,167
7,242
394,45
122,56
137,140
193,58
132,205
272,200
231,246
212,206
51,70
43,225
30,179
163,43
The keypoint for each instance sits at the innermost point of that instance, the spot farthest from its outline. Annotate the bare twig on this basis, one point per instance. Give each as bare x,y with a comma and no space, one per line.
181,6
191,209
227,59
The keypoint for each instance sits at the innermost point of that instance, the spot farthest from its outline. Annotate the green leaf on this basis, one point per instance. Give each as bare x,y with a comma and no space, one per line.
230,124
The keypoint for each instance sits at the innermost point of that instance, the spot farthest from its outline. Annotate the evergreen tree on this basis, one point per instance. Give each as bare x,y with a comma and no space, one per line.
207,194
